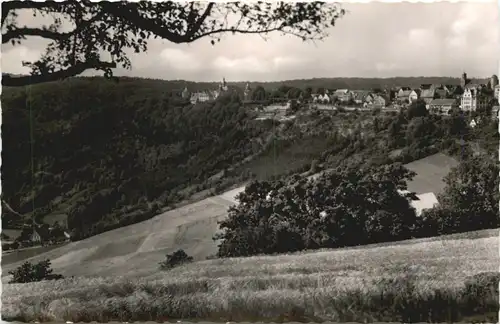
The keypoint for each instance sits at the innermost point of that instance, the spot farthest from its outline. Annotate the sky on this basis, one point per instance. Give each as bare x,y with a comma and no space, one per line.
372,40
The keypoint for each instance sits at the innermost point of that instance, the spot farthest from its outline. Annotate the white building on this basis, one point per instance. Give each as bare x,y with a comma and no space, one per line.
469,99
207,95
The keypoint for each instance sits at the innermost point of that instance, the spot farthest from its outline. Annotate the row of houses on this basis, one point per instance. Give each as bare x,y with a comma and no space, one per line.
359,97
467,96
206,95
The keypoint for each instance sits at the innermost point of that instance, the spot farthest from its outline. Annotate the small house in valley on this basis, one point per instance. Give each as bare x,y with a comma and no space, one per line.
428,95
404,95
344,95
380,101
414,95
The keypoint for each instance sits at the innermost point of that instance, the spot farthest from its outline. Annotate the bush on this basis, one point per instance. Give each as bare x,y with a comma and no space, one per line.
29,272
175,259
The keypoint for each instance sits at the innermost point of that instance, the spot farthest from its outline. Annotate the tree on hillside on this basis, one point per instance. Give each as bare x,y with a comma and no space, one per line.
307,93
344,207
420,130
259,94
29,272
82,32
472,191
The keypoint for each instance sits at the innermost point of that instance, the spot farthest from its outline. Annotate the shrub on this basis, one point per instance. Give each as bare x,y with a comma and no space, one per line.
29,272
175,259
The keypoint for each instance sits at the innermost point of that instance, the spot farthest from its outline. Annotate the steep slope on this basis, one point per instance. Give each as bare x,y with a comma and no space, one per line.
139,247
97,155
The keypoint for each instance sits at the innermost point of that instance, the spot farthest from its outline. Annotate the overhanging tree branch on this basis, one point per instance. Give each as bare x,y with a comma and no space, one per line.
78,68
22,32
114,27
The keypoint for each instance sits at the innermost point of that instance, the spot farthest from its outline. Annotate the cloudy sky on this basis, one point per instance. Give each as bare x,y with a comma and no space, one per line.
372,40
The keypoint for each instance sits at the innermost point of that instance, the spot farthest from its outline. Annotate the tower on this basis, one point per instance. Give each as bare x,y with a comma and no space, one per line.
463,81
185,93
223,85
493,82
246,92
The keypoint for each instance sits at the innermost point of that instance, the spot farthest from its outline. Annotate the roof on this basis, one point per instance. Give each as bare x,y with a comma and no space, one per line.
380,96
341,91
417,91
429,93
360,93
405,88
443,102
405,93
425,86
473,85
424,201
441,92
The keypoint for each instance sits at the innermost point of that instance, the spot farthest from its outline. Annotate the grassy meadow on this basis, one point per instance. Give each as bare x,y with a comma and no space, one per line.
439,279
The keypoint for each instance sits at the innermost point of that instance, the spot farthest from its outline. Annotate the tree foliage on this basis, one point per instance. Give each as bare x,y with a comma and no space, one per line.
341,208
29,272
472,191
175,259
83,34
417,109
102,150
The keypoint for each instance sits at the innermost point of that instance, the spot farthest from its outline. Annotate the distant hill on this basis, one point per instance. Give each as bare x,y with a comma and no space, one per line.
333,83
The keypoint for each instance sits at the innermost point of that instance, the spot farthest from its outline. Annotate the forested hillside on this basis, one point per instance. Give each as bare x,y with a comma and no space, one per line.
107,153
97,155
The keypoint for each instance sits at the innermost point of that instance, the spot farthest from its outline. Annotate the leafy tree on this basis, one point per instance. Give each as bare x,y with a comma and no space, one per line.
259,94
29,272
472,190
420,130
175,259
293,93
307,93
112,28
160,147
320,90
341,208
417,109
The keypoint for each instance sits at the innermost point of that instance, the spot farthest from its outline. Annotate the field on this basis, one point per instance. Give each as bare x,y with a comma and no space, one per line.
417,280
117,277
138,248
430,173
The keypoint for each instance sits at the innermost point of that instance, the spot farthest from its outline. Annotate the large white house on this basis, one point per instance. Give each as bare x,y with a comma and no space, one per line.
469,99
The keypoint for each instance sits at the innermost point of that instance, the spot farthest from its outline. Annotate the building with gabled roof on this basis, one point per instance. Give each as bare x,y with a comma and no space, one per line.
414,95
442,106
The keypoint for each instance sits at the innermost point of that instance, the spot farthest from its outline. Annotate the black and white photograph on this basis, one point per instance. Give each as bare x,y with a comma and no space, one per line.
225,162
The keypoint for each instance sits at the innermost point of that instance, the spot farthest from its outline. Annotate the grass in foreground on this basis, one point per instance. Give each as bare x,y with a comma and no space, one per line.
448,280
